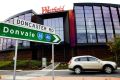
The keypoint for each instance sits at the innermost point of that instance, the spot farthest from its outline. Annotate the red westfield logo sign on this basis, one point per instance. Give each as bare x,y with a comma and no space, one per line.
48,9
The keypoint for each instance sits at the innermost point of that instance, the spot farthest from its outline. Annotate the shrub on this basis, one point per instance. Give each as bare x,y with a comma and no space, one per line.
62,66
21,64
4,63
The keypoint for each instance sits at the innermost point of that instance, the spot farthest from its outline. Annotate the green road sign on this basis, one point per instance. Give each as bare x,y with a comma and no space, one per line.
22,33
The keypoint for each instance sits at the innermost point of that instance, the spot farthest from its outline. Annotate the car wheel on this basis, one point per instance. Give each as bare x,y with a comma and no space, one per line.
77,70
108,69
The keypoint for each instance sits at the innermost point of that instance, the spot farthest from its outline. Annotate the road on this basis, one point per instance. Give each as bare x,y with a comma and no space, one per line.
94,74
38,73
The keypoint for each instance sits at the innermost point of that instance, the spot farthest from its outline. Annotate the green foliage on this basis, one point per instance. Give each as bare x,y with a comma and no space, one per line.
21,64
4,63
35,64
62,66
114,46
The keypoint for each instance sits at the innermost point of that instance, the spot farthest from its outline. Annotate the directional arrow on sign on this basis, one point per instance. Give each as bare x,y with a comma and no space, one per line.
56,39
23,33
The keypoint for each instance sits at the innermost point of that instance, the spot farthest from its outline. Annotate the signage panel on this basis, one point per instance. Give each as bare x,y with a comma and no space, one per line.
22,33
48,9
34,26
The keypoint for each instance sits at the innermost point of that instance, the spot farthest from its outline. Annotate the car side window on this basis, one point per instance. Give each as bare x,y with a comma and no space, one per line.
77,59
83,59
92,59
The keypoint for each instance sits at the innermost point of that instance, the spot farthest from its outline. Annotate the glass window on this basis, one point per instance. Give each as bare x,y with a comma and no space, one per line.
91,34
117,27
110,36
80,23
78,59
91,37
92,59
99,23
98,19
83,59
1,41
8,43
26,43
88,11
99,15
101,37
28,16
107,19
57,24
0,47
115,19
88,15
78,11
13,42
4,46
80,27
90,19
78,7
90,23
117,32
4,40
81,38
80,15
108,23
80,19
22,17
4,43
119,10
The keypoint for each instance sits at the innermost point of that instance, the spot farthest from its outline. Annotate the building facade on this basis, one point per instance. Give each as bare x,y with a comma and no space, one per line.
85,30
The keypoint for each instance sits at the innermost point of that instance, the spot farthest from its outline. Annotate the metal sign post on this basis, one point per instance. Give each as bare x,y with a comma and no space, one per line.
53,75
15,60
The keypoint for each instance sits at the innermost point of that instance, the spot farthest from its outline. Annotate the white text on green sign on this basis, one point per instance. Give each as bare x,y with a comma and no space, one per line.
17,32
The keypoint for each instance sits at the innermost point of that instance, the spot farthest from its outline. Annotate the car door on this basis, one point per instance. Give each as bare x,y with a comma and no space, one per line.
82,61
93,63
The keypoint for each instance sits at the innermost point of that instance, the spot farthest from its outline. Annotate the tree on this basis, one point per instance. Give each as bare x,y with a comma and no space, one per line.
114,46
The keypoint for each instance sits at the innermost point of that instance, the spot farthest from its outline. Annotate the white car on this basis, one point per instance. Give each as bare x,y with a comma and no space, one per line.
83,63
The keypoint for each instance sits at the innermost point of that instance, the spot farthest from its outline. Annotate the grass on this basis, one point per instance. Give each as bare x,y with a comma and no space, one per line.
4,63
62,65
21,64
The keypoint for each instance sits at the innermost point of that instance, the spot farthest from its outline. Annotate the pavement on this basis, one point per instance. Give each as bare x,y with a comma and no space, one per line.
75,78
59,78
43,75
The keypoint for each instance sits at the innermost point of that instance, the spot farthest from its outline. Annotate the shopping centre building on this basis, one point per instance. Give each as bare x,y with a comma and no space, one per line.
85,30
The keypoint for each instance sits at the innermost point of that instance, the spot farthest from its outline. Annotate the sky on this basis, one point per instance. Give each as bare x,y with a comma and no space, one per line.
11,7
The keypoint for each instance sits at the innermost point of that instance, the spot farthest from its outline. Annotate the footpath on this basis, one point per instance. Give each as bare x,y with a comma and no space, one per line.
75,78
42,75
59,78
